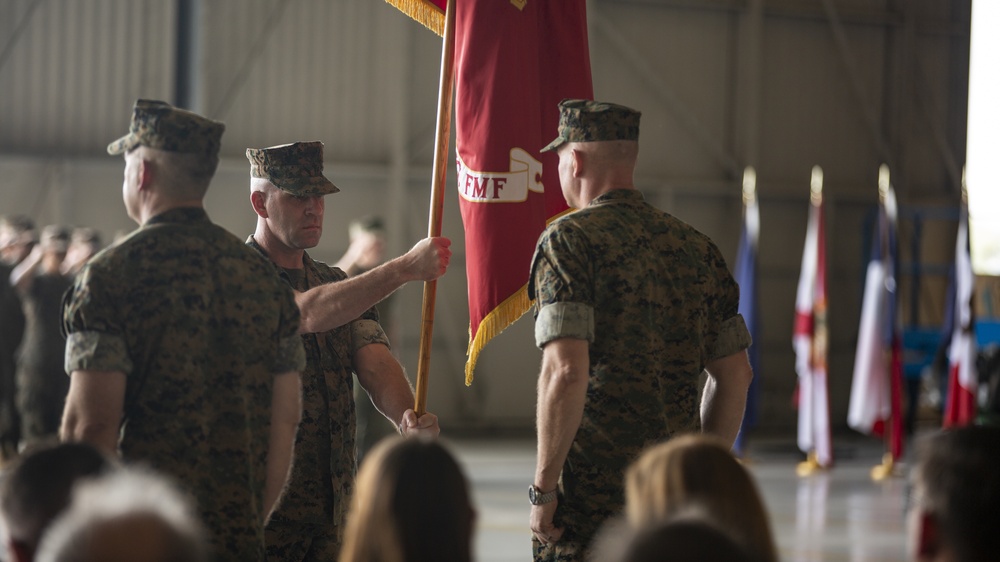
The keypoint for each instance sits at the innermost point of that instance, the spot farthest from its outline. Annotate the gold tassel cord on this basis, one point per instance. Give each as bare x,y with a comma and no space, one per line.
498,320
426,13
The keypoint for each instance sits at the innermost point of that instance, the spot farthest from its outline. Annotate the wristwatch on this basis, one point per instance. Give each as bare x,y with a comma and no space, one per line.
538,497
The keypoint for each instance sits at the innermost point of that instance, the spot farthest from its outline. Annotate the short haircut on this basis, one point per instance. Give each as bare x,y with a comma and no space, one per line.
38,487
186,174
958,473
135,513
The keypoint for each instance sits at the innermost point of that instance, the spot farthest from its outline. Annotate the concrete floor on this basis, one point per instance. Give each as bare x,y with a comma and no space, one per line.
832,516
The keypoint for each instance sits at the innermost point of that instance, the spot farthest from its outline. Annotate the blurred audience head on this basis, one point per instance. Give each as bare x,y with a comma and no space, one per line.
129,515
954,505
699,470
83,244
687,537
17,237
37,488
411,504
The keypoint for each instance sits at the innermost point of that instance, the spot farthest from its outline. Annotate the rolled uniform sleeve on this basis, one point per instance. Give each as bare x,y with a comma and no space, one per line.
94,351
733,337
366,330
560,283
93,329
731,334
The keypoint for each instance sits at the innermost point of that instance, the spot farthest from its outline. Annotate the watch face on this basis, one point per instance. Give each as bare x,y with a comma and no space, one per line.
531,494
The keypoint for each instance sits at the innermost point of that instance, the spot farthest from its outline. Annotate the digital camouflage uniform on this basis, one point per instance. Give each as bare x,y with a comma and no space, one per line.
656,302
308,523
200,326
11,332
41,382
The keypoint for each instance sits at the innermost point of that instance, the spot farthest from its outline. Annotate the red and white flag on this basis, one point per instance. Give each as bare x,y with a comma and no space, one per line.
810,341
876,386
960,407
514,62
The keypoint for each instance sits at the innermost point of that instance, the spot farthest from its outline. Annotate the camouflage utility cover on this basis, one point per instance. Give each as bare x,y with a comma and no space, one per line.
591,121
296,168
159,125
655,299
318,494
200,326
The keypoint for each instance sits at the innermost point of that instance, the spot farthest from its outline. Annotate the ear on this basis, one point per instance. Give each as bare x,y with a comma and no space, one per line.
257,202
146,170
579,158
928,537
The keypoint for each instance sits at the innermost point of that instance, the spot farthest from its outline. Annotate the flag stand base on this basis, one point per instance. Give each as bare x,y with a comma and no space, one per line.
885,470
809,466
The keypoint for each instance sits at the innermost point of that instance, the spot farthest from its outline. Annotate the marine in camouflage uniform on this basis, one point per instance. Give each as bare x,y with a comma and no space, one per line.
287,193
650,302
199,331
41,382
16,238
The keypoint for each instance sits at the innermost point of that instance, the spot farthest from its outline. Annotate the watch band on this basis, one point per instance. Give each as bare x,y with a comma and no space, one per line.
538,497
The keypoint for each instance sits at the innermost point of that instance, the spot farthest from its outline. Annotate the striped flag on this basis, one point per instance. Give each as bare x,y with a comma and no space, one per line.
746,277
514,62
876,388
960,407
810,337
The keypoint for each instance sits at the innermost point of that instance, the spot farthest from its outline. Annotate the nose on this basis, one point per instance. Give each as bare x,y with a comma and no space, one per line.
314,205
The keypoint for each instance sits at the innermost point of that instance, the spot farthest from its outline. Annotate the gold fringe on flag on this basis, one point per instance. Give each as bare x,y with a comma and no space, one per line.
428,14
498,320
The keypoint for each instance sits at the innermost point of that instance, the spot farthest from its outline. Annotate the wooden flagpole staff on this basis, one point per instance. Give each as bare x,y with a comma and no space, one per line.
442,137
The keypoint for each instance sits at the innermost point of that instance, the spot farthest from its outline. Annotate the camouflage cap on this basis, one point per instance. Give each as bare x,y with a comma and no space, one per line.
55,238
159,125
590,121
296,168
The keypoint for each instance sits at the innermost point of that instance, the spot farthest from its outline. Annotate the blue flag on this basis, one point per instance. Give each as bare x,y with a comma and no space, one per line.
746,277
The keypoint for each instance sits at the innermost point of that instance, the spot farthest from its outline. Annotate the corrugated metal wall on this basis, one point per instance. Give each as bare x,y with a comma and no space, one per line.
779,84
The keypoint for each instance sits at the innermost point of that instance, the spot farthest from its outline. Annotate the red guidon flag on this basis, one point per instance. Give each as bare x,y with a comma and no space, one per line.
514,61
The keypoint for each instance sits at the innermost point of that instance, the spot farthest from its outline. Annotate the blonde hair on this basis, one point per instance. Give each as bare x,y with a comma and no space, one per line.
699,470
411,504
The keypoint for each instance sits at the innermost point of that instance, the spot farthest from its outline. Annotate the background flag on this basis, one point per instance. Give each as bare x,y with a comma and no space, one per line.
876,387
746,277
960,408
810,337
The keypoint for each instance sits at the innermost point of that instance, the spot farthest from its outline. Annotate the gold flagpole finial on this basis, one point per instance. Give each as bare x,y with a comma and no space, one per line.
883,182
749,185
816,186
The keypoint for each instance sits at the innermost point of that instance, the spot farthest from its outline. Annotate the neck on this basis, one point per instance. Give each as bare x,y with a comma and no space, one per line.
158,206
277,251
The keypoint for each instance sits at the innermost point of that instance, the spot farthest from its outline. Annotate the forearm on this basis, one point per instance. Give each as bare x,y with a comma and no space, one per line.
285,414
383,379
725,396
562,392
93,409
332,305
100,434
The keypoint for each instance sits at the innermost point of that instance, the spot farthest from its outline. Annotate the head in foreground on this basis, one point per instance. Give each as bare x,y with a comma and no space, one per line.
699,470
411,504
